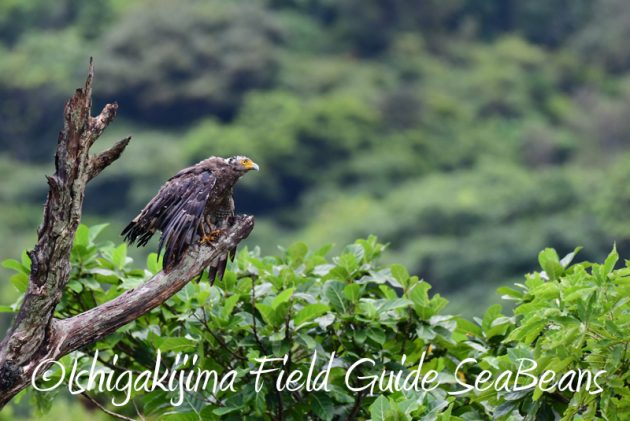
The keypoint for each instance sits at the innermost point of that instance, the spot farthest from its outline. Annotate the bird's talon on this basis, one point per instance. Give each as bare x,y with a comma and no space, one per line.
211,237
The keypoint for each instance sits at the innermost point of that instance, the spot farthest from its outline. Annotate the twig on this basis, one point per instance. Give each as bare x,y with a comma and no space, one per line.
357,406
226,366
137,410
254,329
218,338
115,367
105,410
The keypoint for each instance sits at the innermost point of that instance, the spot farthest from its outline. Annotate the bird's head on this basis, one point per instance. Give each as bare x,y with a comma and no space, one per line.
242,164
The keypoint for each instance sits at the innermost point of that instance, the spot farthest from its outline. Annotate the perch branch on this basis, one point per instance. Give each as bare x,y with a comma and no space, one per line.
96,323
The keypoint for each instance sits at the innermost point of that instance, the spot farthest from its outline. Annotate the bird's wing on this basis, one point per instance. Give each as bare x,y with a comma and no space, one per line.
177,210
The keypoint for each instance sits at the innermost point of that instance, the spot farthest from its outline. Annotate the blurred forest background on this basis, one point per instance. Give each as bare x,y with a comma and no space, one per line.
467,134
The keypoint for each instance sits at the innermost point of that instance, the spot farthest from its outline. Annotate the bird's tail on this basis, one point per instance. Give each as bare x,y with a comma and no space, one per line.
216,270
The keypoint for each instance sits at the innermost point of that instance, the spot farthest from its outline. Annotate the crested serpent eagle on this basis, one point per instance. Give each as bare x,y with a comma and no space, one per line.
194,205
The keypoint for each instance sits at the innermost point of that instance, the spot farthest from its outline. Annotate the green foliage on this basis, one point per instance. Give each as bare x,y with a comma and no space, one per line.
229,50
575,316
63,409
569,316
17,18
613,201
601,43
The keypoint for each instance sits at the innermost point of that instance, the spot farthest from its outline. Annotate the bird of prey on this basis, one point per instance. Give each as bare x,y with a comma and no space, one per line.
194,205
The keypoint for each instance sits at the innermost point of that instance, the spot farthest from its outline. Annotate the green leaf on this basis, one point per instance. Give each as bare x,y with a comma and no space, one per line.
75,286
267,313
585,311
527,332
26,261
130,283
283,297
297,252
334,293
446,415
176,344
20,281
228,306
119,256
322,406
82,236
95,230
244,286
388,292
310,312
379,408
91,284
492,313
101,271
550,262
394,304
43,400
566,260
226,410
401,274
154,401
377,335
611,260
422,306
508,293
14,265
419,294
324,250
352,292
229,280
181,414
154,263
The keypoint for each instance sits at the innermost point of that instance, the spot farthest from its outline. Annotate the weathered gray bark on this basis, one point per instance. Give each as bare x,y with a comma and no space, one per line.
35,334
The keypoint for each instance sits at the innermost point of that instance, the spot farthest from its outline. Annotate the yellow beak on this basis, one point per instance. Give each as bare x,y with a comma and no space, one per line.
250,165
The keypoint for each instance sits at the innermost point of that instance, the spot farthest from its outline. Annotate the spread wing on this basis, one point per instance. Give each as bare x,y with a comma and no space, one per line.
176,210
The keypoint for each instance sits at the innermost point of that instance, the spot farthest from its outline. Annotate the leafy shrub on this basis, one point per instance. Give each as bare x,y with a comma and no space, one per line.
567,317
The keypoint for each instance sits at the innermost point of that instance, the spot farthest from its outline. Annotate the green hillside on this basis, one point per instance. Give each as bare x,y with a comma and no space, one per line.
466,134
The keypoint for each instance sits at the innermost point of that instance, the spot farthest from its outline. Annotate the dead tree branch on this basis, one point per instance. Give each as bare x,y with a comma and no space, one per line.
35,335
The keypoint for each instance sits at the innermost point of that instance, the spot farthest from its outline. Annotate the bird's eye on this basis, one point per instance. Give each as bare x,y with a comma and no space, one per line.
246,162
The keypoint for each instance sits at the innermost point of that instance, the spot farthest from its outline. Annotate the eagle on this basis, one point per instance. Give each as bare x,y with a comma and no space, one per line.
195,205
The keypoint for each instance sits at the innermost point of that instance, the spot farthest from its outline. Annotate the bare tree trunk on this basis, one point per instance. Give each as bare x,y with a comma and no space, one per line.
35,335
